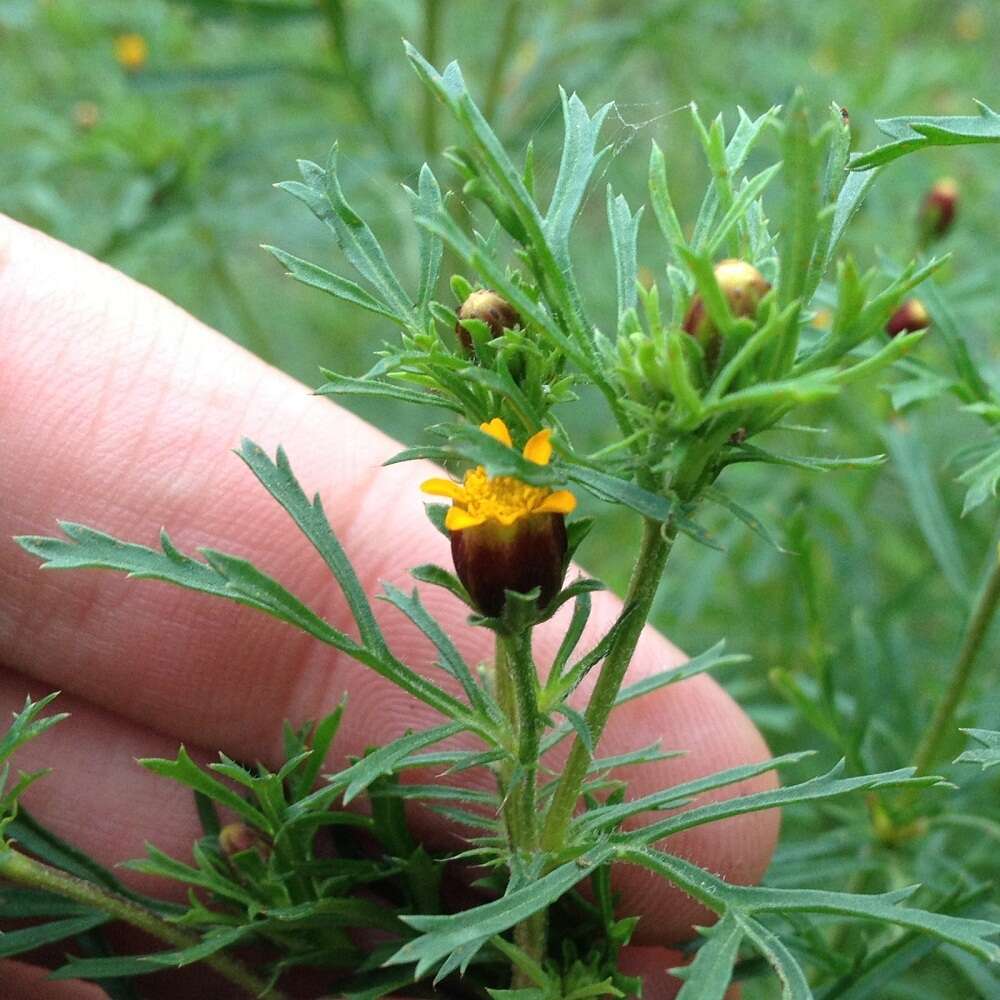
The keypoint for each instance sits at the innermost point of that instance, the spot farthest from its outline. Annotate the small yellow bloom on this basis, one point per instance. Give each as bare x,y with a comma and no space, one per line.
131,51
504,499
506,534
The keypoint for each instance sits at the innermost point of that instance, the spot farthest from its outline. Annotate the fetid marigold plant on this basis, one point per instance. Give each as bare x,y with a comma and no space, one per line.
692,370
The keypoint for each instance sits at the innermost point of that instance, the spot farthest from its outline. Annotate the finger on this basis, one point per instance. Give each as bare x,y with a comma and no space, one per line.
134,433
18,979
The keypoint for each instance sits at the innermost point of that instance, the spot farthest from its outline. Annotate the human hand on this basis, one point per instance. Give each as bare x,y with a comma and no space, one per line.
117,410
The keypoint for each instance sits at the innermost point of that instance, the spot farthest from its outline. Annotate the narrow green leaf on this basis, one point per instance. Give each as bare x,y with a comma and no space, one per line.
427,201
912,464
442,935
709,660
709,975
624,228
334,284
912,132
345,385
29,938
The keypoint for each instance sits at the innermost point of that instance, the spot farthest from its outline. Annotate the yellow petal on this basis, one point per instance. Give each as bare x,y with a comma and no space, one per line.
496,428
539,447
560,502
442,488
456,519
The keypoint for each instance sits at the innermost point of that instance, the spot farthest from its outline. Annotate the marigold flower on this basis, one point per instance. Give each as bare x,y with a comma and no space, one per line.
506,534
908,318
131,51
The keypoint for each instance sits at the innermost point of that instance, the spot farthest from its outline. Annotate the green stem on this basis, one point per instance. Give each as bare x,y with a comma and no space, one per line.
522,801
653,553
19,868
942,723
501,52
336,19
432,32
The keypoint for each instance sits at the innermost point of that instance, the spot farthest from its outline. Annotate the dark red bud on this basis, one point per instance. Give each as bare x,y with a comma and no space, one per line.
493,557
492,309
937,211
908,318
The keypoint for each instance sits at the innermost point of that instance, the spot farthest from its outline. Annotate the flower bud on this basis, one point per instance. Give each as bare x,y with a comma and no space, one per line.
234,838
506,534
937,211
491,558
743,287
908,318
488,307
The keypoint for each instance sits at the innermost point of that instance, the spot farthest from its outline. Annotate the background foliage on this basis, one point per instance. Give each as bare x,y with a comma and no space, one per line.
166,171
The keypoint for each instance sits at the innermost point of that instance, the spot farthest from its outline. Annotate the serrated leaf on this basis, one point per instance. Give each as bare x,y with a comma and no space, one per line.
912,132
715,495
969,934
449,658
826,786
624,228
708,976
989,755
321,193
278,479
982,480
709,660
346,385
609,816
427,201
441,936
337,286
185,771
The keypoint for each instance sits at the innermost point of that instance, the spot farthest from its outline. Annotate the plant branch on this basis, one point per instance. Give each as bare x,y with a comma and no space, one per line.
501,52
656,546
21,869
432,32
943,720
336,20
529,935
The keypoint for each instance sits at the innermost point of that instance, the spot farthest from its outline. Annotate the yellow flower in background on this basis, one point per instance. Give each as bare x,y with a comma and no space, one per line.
131,51
506,534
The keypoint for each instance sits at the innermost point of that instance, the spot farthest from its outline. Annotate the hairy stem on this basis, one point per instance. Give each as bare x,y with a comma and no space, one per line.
21,869
522,798
942,723
653,553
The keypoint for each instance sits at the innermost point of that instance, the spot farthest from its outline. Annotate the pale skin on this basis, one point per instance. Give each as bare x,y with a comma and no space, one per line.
119,410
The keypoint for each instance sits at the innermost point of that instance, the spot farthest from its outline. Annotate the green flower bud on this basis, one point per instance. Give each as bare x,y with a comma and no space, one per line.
234,838
908,318
488,307
743,287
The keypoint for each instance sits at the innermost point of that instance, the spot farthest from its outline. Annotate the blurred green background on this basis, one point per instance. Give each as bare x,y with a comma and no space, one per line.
157,153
